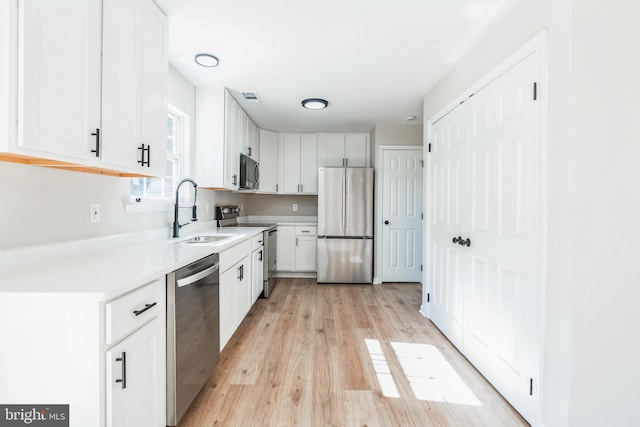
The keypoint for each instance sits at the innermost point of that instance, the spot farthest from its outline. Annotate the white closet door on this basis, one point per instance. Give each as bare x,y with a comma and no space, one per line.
448,219
485,184
501,299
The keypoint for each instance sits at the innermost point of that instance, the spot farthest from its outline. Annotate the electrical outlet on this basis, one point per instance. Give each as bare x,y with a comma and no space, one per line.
95,212
295,207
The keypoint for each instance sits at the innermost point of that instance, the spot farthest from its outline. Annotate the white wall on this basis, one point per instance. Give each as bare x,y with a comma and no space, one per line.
589,361
605,373
41,205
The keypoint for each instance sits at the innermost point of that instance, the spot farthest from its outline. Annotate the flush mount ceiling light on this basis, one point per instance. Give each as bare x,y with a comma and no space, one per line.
410,118
207,60
315,103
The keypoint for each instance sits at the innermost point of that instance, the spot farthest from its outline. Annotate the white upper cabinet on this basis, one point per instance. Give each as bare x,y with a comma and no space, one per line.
59,78
85,82
268,162
134,112
223,131
298,159
337,149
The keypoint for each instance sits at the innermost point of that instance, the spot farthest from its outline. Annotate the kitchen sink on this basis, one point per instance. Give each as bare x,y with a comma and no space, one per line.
205,239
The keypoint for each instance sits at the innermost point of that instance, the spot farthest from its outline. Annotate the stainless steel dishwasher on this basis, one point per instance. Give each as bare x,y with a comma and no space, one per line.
193,332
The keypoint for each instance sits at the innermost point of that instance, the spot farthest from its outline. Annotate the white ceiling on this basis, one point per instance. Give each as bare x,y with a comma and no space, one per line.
373,60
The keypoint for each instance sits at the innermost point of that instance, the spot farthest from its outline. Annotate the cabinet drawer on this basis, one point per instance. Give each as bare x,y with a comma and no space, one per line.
121,317
306,230
230,256
256,242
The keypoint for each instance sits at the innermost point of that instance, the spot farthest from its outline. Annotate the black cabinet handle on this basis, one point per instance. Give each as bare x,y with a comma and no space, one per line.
260,256
386,222
456,239
123,359
145,155
466,243
146,307
97,135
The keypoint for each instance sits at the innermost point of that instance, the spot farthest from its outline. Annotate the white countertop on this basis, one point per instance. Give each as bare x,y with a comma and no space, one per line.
106,267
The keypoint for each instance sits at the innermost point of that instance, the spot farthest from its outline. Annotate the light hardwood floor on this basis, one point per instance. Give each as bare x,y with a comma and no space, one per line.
344,355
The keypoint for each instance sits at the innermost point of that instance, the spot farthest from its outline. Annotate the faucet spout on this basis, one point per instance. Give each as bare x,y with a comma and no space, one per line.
194,216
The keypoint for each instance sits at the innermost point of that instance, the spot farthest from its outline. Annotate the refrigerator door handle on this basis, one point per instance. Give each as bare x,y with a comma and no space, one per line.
344,201
346,198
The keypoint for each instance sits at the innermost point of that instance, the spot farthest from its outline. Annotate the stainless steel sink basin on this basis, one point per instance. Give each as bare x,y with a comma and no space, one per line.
205,239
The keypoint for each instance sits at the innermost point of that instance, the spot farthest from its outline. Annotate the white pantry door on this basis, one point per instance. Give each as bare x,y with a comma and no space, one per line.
484,175
501,308
448,217
402,215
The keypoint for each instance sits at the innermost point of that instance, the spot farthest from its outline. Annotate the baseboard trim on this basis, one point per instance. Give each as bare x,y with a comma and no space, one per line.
423,310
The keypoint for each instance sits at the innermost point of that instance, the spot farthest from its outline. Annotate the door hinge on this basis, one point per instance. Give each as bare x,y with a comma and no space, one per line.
420,267
535,91
429,148
422,216
530,386
422,163
428,297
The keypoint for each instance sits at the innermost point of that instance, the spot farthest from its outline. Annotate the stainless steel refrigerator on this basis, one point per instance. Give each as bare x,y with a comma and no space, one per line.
345,225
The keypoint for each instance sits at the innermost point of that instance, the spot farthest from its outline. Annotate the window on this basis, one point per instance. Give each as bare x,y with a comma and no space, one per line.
161,189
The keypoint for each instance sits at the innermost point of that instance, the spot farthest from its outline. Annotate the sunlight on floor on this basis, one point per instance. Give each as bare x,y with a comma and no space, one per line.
383,372
431,377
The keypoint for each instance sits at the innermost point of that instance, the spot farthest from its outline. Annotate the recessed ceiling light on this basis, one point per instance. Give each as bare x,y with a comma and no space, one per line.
410,118
207,60
315,103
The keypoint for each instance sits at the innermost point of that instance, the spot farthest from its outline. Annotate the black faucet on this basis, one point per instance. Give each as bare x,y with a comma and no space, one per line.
194,217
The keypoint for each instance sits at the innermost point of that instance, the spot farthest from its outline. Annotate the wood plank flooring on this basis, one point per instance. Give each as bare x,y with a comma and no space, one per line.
344,355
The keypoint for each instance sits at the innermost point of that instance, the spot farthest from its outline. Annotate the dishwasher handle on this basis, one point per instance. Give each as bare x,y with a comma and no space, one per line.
195,277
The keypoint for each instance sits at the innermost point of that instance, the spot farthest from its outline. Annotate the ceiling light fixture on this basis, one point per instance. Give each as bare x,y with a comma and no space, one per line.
207,60
314,103
410,118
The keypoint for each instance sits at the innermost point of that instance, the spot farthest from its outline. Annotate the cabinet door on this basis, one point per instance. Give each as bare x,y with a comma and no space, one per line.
268,161
291,162
231,149
286,248
308,164
227,305
356,149
135,68
257,284
135,378
59,91
253,141
331,150
305,253
243,289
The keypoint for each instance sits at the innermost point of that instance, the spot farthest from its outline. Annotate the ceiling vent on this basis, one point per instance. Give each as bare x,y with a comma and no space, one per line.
251,96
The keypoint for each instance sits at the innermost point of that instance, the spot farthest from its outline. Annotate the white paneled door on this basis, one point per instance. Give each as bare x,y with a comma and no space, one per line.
402,215
484,227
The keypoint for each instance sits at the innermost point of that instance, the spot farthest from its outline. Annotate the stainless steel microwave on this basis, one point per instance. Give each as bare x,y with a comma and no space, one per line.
249,173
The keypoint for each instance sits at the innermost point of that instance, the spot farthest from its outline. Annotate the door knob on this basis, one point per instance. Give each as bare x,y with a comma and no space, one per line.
386,222
457,239
466,243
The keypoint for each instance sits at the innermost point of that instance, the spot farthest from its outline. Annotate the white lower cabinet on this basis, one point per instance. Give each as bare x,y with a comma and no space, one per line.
297,248
135,365
73,358
235,288
135,378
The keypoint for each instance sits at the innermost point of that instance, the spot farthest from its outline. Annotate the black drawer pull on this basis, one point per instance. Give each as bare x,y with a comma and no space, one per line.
146,307
123,359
